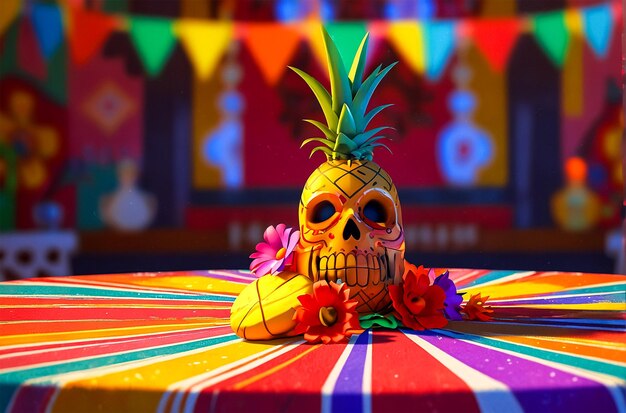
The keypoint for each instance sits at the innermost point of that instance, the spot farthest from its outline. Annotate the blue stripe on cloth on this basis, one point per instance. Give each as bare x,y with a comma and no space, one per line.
347,394
579,323
491,276
619,287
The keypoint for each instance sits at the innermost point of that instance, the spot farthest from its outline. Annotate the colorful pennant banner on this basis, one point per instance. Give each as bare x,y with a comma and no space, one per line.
48,27
425,45
496,49
87,33
272,45
408,39
440,41
154,39
205,43
598,25
552,34
347,36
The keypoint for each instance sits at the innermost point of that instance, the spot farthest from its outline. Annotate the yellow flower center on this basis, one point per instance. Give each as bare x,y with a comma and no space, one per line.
280,254
328,316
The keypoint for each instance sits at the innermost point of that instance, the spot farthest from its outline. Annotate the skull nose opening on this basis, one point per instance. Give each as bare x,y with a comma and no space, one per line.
351,230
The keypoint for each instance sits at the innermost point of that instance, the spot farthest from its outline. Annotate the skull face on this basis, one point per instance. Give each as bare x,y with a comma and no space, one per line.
351,229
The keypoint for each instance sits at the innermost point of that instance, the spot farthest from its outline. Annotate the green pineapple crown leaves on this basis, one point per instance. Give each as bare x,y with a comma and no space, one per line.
346,136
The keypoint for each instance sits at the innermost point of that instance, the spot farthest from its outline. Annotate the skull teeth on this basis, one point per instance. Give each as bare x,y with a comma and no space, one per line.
353,269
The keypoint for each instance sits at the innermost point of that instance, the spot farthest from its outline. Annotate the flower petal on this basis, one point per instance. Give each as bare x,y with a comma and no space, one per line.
433,321
272,238
412,323
324,295
277,266
293,242
422,285
453,313
312,338
434,297
256,263
283,233
308,302
264,268
265,248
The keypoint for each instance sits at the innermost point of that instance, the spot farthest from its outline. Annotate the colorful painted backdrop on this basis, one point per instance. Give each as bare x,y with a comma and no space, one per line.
490,101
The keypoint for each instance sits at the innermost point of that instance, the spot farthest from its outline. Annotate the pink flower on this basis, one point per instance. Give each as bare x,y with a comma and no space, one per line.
276,252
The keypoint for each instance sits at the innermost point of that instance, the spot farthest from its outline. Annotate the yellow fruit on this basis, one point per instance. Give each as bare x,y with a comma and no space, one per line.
264,309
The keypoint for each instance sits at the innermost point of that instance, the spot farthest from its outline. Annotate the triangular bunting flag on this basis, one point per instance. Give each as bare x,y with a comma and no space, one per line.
574,22
439,38
88,33
552,35
312,30
272,45
29,56
407,37
495,39
205,43
48,27
8,12
154,40
598,26
347,36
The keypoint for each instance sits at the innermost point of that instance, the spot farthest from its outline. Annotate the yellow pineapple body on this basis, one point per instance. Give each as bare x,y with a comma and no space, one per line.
351,230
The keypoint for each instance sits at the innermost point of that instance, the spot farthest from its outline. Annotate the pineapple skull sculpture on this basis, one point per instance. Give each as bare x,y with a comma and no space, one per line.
350,218
351,230
349,213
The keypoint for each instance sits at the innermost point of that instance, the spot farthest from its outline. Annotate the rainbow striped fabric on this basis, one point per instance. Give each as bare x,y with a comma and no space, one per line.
162,342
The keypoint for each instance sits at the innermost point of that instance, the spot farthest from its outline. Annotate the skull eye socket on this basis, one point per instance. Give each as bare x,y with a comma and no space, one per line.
375,212
322,212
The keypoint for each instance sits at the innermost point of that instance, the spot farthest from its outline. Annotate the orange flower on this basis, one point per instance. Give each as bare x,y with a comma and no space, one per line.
418,304
327,315
475,309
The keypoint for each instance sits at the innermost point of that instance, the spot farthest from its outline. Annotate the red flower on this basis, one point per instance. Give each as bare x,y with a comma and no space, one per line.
327,315
475,309
418,304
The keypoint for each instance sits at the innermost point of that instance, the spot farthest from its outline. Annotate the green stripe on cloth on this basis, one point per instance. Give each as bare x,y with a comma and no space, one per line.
84,292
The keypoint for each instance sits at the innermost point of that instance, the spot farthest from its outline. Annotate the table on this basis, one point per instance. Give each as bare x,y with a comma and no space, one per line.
162,342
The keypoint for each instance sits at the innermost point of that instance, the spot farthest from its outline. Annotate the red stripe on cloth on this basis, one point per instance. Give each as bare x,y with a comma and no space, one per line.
124,282
292,381
79,326
99,348
99,340
407,378
44,302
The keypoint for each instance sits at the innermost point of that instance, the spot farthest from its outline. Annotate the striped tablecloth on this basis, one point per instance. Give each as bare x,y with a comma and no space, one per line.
162,342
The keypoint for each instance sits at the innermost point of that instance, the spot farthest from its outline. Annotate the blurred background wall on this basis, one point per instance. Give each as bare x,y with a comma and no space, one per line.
141,135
